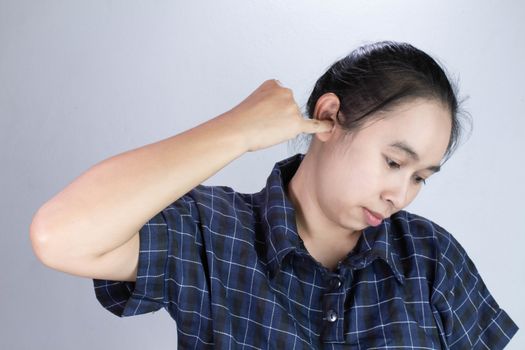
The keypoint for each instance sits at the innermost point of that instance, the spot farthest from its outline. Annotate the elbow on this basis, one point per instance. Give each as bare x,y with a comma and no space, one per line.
40,240
51,248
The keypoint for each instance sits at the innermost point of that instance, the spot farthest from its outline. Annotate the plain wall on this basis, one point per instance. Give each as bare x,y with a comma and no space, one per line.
81,81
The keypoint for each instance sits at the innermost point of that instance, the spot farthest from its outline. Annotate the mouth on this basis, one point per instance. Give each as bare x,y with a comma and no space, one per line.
372,218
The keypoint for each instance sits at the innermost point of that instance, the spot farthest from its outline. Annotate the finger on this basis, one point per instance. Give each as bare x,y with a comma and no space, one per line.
316,125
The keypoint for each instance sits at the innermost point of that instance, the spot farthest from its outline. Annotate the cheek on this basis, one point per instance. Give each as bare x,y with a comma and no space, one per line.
332,189
335,190
351,182
412,195
363,180
350,188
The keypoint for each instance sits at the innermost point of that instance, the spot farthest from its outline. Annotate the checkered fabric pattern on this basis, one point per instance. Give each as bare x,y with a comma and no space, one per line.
232,271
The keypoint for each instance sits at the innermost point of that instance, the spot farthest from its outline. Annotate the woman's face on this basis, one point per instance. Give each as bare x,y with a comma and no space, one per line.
381,166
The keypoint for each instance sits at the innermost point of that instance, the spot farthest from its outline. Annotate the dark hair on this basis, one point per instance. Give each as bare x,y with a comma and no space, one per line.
379,76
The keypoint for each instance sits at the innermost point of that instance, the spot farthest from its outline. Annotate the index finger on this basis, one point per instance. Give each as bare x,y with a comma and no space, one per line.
315,125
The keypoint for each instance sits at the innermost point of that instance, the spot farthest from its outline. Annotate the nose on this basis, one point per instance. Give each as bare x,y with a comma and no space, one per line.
397,193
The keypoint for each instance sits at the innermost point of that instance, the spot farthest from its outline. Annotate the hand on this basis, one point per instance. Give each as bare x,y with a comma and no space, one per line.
270,115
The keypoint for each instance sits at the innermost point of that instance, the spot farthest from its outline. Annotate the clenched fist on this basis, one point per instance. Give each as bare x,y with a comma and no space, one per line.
270,115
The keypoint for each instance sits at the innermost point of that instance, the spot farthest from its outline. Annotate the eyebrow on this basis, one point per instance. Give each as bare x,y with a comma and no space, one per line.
403,146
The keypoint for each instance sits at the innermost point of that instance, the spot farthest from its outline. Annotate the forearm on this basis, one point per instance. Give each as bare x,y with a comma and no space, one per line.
106,205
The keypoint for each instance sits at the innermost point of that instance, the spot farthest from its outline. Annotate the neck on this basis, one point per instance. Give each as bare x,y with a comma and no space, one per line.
312,223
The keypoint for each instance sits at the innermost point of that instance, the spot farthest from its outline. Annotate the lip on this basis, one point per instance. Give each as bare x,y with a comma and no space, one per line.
377,215
373,218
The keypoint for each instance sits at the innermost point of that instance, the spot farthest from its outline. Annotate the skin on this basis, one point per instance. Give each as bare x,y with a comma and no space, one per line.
338,177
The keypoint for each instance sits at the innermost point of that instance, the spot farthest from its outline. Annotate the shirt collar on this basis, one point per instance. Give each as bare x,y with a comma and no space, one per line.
378,242
280,230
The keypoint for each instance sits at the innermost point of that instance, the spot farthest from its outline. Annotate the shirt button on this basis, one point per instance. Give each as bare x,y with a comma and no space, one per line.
331,315
335,283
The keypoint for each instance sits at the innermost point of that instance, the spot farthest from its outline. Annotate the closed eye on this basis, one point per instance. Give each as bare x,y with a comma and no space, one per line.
420,180
393,165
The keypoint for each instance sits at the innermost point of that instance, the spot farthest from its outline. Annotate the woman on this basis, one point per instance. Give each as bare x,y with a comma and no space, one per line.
324,256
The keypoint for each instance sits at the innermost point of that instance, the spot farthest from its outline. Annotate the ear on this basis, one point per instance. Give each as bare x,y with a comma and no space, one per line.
326,108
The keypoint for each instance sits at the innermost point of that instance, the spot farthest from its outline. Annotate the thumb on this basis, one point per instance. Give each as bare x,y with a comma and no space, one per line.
315,125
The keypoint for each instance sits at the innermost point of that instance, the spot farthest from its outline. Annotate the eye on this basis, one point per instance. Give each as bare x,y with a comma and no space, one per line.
391,163
420,180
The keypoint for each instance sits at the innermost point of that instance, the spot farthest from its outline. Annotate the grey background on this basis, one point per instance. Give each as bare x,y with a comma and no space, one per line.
81,81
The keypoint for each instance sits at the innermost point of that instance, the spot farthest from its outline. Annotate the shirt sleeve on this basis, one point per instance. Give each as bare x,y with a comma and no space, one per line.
161,239
468,315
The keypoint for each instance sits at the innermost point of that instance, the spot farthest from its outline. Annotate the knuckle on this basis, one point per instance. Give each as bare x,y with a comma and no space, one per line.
268,82
272,82
287,92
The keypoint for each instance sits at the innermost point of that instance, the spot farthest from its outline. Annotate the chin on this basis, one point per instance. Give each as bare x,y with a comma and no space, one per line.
351,224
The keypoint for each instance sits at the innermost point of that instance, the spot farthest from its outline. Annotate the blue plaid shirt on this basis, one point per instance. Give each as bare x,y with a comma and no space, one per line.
233,273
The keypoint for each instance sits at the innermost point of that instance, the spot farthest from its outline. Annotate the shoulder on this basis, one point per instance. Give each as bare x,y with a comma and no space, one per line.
223,198
204,202
433,250
430,240
466,312
417,227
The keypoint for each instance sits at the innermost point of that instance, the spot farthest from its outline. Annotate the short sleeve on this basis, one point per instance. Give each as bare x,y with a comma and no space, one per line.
467,314
160,239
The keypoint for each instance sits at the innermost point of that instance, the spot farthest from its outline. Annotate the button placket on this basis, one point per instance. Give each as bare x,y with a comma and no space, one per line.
335,283
333,302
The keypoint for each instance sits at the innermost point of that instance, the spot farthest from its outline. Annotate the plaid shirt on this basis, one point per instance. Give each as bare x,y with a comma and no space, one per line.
233,273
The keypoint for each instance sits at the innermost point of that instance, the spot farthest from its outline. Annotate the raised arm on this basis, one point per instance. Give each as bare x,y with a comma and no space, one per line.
90,228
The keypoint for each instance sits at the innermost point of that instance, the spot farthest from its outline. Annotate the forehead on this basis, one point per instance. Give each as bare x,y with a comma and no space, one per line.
425,125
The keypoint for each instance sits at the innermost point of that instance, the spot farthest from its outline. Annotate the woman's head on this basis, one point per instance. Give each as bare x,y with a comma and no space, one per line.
381,167
396,119
376,78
